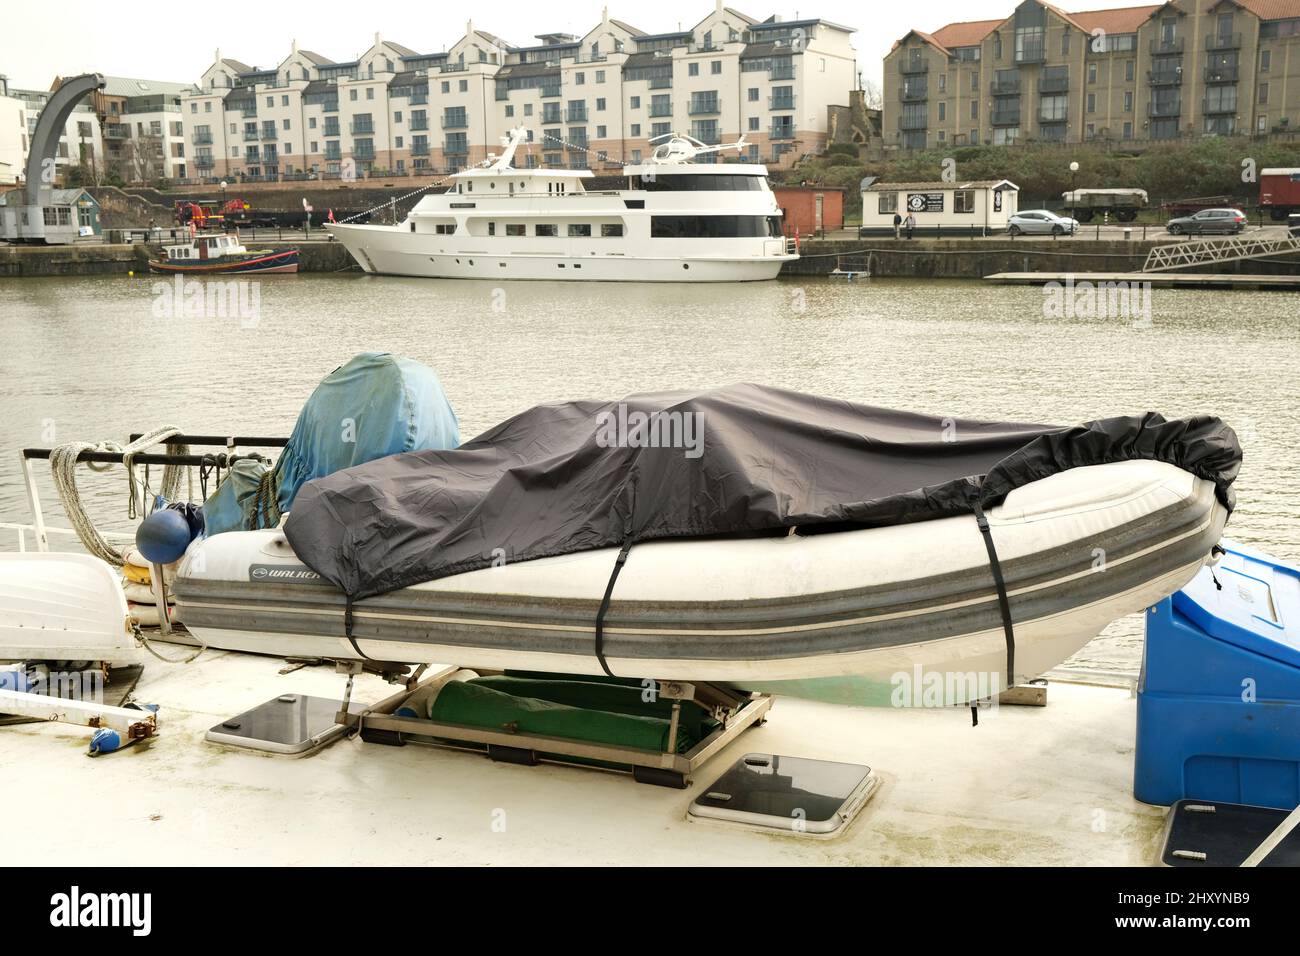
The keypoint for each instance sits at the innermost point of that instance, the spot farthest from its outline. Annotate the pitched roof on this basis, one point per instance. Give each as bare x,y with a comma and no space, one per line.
969,33
1273,9
399,49
628,27
1125,20
493,39
126,86
316,57
236,65
940,187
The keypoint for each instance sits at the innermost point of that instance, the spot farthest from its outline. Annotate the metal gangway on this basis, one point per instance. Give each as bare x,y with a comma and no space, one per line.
1209,251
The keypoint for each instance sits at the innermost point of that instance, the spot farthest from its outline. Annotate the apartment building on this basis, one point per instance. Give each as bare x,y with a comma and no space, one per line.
1178,69
595,100
144,138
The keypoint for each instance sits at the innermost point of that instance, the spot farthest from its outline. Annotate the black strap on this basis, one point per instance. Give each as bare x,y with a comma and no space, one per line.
1004,605
604,606
347,629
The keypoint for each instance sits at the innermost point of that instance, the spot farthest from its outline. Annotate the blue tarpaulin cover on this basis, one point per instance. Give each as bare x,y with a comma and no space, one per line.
376,405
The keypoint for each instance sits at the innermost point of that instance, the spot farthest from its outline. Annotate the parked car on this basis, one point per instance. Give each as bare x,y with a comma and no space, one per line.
1041,222
1225,221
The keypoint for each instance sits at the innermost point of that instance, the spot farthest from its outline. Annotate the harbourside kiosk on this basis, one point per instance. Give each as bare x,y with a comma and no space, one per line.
956,209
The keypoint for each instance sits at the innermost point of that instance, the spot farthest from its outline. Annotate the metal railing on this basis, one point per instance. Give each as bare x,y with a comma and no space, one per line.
661,109
913,96
787,72
1052,116
454,122
198,139
911,67
1218,108
780,102
703,107
1031,53
421,123
361,127
419,149
1206,251
1164,77
781,132
1005,118
270,132
1174,45
1222,74
1224,41
577,115
1005,87
1164,109
661,83
1054,84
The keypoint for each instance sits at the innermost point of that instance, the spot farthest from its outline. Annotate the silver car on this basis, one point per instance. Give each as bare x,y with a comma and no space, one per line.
1041,222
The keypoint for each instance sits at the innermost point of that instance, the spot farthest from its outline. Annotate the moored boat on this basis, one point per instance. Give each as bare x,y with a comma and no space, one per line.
219,253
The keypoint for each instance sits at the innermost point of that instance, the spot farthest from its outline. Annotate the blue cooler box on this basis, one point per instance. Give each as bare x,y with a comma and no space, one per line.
1218,714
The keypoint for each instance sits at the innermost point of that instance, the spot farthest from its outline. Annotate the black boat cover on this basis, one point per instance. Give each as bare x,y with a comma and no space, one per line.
744,459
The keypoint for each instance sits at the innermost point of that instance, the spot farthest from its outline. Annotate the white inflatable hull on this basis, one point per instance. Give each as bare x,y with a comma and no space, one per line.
1079,549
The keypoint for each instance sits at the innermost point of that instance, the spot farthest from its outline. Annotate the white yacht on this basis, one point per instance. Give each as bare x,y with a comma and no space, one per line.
678,219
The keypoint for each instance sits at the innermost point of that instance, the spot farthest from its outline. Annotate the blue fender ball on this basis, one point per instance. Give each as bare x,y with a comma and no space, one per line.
105,741
163,536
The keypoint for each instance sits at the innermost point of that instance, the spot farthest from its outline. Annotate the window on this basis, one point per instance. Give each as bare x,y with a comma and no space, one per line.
1128,129
943,82
370,92
284,124
963,200
974,82
397,142
397,116
1065,42
974,109
715,67
600,132
887,203
315,146
1092,102
194,107
207,107
579,79
1265,60
693,69
311,122
284,100
516,229
578,230
270,101
713,227
1092,72
1128,101
446,87
636,155
528,109
611,230
753,94
1263,94
635,130
510,111
753,124
635,103
546,229
600,103
352,95
444,228
1130,67
943,111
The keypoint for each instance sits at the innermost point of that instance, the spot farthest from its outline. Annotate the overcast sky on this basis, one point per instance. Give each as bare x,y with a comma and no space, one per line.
162,41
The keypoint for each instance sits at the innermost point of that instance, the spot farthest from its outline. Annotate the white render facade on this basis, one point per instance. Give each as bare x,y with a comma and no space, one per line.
591,101
19,112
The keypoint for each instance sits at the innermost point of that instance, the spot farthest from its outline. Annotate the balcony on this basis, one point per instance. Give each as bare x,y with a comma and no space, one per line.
204,162
781,132
784,72
1165,77
419,123
362,127
780,102
1052,117
1219,107
1005,118
1164,109
1225,41
555,117
576,115
707,107
419,99
198,139
330,106
250,136
912,67
419,149
1172,45
454,121
1053,84
331,129
269,132
1221,74
906,123
550,92
661,83
913,95
577,140
248,111
332,152
121,131
363,151
661,109
1005,87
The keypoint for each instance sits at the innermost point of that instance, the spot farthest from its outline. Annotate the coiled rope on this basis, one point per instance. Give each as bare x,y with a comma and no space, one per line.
63,464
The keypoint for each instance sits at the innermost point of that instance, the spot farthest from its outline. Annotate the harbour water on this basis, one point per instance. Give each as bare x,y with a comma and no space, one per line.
98,357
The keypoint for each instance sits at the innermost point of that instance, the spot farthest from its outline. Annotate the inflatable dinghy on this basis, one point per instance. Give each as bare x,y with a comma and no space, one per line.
1077,549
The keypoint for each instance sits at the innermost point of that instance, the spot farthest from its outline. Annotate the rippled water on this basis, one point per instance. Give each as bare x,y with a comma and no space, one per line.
89,359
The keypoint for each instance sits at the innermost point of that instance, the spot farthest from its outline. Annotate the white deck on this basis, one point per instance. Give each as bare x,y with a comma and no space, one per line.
1031,786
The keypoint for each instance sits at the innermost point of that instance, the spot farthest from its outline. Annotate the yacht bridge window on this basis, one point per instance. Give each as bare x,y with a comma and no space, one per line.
699,182
714,227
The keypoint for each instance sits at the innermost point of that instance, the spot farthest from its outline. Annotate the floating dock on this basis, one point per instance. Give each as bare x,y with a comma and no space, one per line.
1162,280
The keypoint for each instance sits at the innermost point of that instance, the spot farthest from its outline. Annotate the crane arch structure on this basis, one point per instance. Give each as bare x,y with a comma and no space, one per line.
29,219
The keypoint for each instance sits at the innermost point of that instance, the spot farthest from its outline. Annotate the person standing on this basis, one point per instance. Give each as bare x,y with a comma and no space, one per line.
910,223
898,225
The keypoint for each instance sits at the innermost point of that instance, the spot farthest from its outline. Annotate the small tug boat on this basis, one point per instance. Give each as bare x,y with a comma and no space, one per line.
220,253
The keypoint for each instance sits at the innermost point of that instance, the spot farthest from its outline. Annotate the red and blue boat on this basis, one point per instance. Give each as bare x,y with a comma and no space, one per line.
221,254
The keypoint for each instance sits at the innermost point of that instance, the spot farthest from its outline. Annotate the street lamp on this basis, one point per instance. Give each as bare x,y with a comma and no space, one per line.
1074,194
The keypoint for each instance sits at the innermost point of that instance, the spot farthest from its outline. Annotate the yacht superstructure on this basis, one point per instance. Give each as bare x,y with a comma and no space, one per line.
678,219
